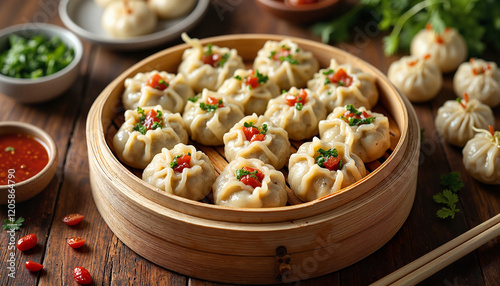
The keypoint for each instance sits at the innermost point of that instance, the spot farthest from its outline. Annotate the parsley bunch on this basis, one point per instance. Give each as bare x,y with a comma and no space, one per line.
449,197
477,21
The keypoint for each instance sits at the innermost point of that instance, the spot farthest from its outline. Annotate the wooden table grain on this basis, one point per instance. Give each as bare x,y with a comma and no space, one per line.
112,263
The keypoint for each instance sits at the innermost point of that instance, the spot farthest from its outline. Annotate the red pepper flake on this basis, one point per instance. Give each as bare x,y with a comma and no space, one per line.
466,100
412,63
427,56
492,131
439,39
428,26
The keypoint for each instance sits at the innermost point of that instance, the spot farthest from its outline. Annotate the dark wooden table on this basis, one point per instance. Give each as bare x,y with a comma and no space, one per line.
112,263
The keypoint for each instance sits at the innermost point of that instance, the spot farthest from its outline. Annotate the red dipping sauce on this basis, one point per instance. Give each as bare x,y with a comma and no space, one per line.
21,155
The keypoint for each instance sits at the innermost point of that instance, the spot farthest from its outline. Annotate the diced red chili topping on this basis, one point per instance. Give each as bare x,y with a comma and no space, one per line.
250,176
157,82
211,59
254,133
215,101
151,118
296,100
329,159
466,99
341,78
181,162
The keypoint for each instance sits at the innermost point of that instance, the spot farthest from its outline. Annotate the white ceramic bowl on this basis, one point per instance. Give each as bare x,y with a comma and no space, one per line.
30,187
48,87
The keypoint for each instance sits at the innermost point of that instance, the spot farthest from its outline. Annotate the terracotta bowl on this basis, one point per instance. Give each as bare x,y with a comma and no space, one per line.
302,13
33,186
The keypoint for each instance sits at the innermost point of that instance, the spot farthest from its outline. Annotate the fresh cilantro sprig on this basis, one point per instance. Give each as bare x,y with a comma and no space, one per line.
325,156
261,78
355,121
449,197
11,224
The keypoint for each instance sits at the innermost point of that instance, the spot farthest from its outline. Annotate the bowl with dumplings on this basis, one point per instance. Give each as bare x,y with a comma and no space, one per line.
253,209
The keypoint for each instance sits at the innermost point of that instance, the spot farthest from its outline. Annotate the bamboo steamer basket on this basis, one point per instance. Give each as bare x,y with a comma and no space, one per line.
257,246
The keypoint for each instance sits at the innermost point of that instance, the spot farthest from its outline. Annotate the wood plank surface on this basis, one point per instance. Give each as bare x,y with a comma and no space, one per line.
112,263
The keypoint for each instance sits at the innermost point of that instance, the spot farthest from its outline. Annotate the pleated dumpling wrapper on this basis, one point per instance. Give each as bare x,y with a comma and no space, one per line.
456,119
251,89
366,132
209,66
127,19
145,132
209,116
286,63
157,88
480,80
481,156
249,183
182,171
257,137
419,79
340,85
321,168
448,49
298,111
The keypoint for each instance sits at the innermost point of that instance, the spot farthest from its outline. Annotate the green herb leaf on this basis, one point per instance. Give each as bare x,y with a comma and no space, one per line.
11,224
238,77
299,106
141,128
208,52
208,107
194,98
242,172
452,182
223,59
289,59
262,79
10,149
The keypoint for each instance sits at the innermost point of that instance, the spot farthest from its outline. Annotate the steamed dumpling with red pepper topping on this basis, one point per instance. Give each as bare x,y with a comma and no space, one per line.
182,171
481,156
448,49
209,66
320,168
456,119
286,63
209,116
251,89
339,85
366,132
298,111
418,78
257,137
126,19
157,88
480,80
170,9
145,132
249,183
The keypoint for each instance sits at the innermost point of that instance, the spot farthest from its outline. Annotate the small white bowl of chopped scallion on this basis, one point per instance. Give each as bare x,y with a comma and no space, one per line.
38,61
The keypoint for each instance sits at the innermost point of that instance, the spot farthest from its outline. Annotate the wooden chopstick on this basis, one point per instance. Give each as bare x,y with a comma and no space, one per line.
444,255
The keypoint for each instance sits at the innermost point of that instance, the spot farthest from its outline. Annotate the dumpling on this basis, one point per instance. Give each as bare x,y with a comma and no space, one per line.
480,80
209,116
251,89
481,156
157,88
418,78
169,9
257,137
145,132
456,118
321,168
249,183
125,19
181,171
339,85
298,112
209,66
366,132
286,63
448,50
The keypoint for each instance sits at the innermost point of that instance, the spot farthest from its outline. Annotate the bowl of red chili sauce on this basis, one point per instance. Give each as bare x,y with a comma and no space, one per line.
28,161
